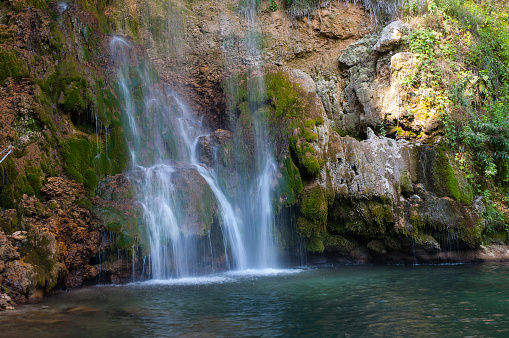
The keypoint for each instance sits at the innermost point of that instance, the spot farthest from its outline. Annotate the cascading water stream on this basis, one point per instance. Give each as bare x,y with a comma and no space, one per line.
255,197
162,138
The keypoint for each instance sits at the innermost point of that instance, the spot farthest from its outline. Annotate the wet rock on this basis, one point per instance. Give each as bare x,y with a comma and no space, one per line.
20,278
117,187
429,243
5,302
205,151
208,145
197,202
377,246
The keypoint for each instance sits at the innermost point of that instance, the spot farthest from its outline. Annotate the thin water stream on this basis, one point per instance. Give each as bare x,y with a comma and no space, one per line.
343,301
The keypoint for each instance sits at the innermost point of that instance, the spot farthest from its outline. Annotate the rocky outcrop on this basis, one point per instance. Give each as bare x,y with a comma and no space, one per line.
60,238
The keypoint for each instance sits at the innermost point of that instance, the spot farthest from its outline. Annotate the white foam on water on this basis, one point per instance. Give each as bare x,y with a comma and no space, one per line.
203,280
263,272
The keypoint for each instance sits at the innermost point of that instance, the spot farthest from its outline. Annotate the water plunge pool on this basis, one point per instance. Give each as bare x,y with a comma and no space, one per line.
439,300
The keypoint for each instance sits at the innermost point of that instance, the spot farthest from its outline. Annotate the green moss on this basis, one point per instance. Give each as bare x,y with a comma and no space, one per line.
415,218
314,205
363,218
314,244
34,178
78,156
307,229
74,102
336,243
90,179
102,165
310,124
125,227
310,136
290,187
406,184
8,174
284,96
449,181
471,236
311,164
11,66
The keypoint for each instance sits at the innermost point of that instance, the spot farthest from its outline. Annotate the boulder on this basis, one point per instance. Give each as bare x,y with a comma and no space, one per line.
390,36
356,52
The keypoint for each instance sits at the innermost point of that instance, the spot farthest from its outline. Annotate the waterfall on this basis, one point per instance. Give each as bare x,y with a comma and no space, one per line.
162,137
255,195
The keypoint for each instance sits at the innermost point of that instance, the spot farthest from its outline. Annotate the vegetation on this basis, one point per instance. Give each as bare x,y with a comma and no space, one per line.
463,75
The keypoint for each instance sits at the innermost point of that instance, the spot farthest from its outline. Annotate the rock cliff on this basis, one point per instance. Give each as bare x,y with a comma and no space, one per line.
363,172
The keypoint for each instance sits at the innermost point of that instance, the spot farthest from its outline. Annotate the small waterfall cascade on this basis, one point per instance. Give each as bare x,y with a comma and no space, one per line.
257,177
162,138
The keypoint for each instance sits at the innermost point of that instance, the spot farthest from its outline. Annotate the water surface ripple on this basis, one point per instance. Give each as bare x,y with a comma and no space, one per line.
344,301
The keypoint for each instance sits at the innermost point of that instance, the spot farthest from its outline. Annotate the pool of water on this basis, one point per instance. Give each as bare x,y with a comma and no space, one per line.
341,301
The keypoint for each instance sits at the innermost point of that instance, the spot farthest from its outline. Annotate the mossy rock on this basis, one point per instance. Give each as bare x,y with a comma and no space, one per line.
11,66
290,187
308,229
377,247
451,221
41,252
78,156
455,183
126,227
311,164
314,244
442,176
337,244
366,219
406,184
314,204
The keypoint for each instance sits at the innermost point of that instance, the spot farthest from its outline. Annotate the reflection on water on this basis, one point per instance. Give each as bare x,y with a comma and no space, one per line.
462,300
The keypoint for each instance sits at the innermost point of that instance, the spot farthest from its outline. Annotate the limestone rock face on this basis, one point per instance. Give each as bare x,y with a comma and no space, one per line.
328,92
374,94
370,168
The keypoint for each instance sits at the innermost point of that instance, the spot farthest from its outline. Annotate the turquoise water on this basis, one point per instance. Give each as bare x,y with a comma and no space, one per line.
344,301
